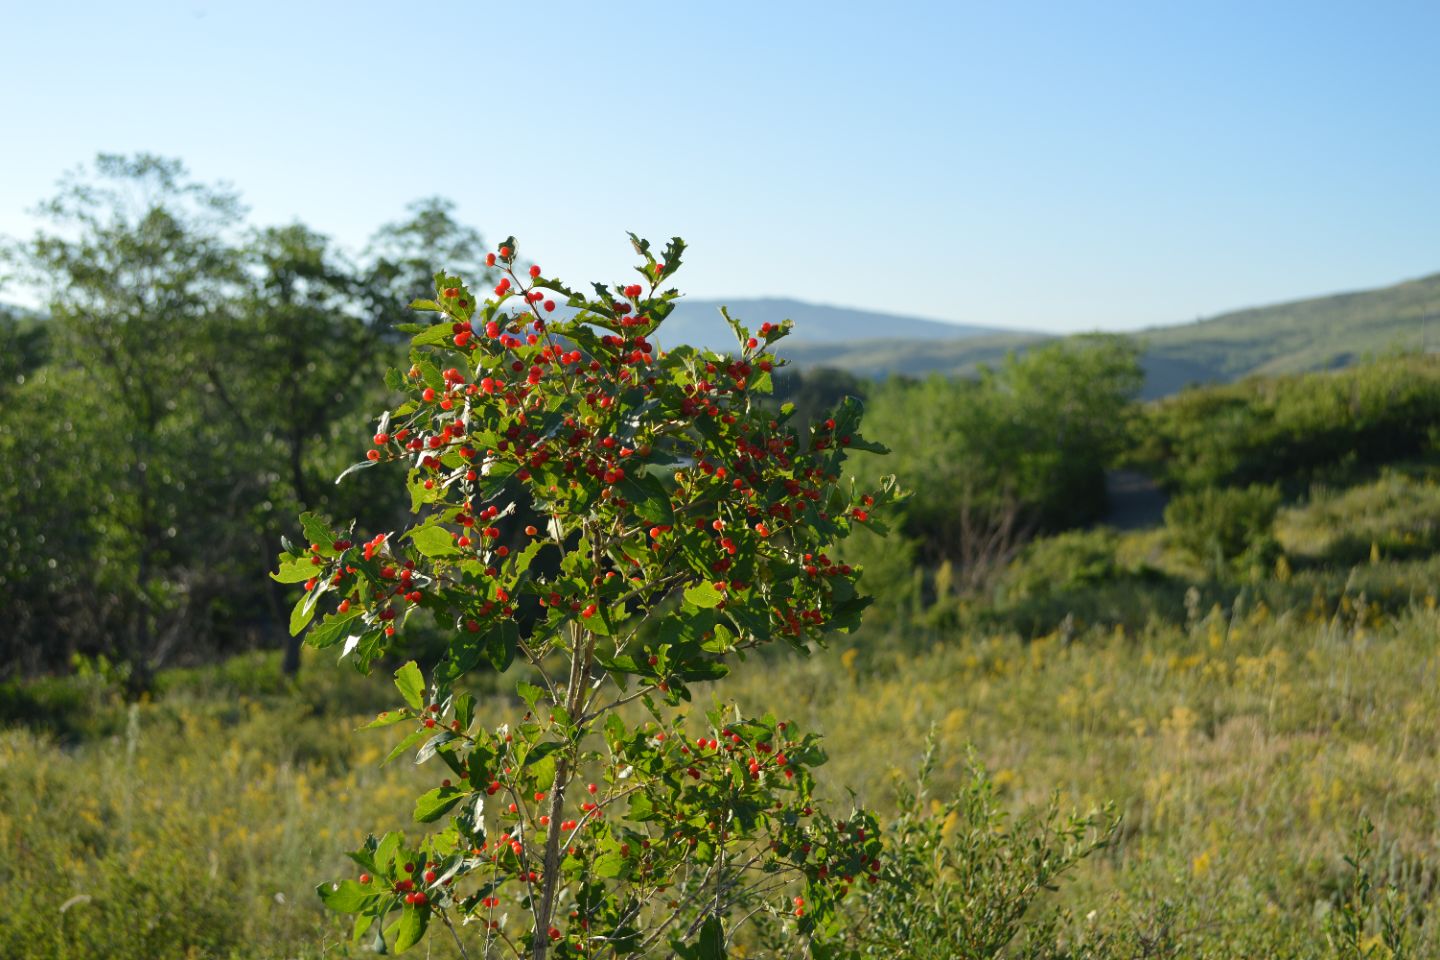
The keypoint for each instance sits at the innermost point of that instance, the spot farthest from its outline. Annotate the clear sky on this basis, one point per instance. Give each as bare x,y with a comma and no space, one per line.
1064,165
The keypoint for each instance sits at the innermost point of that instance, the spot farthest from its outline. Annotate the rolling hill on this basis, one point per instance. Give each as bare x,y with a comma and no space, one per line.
1318,333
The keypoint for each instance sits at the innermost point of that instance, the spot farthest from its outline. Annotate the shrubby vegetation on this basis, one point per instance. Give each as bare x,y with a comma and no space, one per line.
1298,429
1022,449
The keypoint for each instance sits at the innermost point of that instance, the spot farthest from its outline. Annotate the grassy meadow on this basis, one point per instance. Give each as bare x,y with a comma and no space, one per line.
1241,743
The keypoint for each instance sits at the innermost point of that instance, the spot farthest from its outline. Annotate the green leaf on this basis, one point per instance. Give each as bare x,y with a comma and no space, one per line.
712,941
435,804
429,305
609,865
347,896
620,664
530,693
413,921
317,531
742,333
411,684
294,571
431,374
642,808
386,719
434,541
404,745
542,769
703,595
302,613
386,849
648,498
500,645
673,250
329,632
697,670
432,336
686,628
464,710
869,446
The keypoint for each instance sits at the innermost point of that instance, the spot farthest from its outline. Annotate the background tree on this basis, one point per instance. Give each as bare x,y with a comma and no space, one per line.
291,373
137,271
1021,449
402,257
187,374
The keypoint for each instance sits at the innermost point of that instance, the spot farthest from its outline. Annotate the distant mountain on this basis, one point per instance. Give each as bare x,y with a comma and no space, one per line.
880,357
699,322
1318,333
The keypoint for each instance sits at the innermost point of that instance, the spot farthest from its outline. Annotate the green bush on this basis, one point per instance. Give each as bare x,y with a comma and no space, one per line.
1221,526
967,880
1068,561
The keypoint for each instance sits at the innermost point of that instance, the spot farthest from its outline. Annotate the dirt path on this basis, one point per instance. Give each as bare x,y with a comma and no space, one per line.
1136,501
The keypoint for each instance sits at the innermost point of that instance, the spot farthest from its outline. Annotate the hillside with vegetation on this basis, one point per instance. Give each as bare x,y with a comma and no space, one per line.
1320,333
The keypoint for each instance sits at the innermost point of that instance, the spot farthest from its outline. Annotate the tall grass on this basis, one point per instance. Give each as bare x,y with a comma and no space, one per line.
1242,750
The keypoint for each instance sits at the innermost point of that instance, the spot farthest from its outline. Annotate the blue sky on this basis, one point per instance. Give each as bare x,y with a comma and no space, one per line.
1058,166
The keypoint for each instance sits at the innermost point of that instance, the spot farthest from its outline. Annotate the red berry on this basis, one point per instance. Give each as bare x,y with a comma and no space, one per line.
534,271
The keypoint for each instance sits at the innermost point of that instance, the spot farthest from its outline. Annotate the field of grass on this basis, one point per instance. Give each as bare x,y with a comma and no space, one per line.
1243,729
1242,750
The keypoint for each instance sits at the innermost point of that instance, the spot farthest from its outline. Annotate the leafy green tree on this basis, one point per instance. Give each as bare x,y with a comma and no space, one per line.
688,523
292,375
137,272
1021,449
403,255
24,346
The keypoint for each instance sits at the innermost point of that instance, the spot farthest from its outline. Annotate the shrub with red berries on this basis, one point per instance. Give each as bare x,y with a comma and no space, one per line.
672,520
